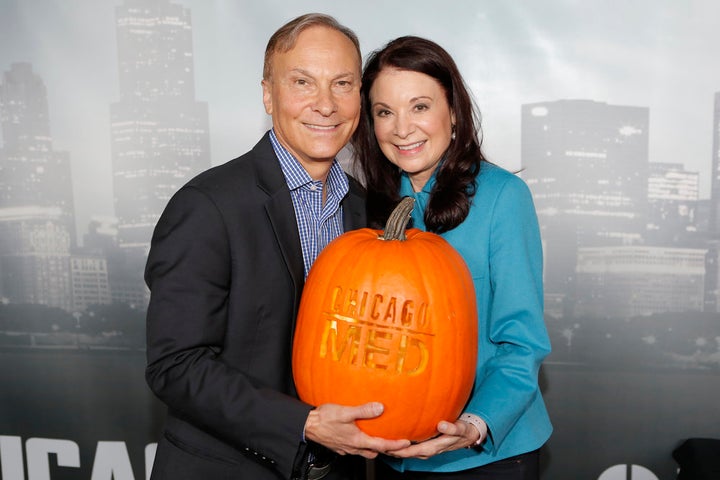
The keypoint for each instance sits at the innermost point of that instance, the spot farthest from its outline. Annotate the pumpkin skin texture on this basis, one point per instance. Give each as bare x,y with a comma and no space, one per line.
392,321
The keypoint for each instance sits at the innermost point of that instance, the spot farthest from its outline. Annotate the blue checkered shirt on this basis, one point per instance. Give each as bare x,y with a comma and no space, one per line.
318,224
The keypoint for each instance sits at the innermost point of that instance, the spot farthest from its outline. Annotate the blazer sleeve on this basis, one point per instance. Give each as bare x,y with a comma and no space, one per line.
516,324
189,274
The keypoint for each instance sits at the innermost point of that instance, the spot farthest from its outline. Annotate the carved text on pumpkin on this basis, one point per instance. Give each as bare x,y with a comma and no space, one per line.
376,331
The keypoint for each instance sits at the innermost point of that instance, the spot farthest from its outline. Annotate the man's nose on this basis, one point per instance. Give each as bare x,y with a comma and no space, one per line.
325,103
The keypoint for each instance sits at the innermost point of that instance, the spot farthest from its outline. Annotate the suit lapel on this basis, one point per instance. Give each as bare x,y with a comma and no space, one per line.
354,208
284,224
280,212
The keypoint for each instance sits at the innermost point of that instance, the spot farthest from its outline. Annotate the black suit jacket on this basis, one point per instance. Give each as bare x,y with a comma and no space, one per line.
225,271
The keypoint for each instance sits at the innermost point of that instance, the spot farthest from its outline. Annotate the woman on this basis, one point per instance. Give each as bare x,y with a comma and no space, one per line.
419,136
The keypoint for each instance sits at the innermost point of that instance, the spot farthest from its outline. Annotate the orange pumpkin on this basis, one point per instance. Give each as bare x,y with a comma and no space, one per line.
391,318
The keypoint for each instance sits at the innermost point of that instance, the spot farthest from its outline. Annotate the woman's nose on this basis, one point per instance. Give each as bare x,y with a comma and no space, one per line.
403,126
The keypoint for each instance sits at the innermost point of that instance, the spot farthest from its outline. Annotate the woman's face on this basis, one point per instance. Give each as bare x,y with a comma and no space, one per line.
413,121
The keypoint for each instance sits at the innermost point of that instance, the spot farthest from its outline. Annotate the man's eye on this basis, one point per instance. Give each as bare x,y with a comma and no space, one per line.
343,85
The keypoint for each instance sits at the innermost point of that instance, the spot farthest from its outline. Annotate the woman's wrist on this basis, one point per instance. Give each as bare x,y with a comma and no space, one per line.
479,424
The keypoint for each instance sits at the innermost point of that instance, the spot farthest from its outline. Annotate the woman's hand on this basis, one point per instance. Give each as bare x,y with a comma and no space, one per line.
452,436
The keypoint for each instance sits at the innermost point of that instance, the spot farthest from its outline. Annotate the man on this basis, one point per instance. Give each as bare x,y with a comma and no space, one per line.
226,269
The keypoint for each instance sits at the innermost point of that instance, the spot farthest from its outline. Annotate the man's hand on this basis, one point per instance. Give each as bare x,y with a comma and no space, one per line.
334,427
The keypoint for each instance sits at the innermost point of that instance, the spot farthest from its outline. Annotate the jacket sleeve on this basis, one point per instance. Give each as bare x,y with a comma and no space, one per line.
516,324
189,274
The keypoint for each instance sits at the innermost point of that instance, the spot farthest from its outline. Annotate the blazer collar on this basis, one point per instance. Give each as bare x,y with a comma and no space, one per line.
279,209
282,215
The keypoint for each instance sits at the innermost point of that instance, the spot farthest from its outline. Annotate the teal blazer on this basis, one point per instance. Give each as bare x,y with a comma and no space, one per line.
500,242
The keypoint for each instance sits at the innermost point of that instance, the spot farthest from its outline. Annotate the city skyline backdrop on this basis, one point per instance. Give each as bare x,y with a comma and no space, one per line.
610,111
657,55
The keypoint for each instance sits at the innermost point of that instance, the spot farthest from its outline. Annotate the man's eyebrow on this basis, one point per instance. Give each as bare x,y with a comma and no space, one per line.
302,71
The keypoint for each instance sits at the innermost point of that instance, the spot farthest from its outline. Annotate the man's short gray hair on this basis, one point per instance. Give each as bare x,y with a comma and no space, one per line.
285,37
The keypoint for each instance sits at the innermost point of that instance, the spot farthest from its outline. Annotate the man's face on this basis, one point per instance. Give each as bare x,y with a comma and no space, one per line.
313,95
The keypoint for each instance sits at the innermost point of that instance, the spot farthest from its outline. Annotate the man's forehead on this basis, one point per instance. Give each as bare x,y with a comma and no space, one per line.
312,61
322,40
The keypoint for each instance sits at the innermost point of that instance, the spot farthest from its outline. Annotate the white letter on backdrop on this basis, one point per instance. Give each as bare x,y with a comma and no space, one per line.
11,459
38,466
112,462
150,450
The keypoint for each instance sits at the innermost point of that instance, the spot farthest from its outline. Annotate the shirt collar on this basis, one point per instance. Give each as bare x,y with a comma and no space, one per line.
296,176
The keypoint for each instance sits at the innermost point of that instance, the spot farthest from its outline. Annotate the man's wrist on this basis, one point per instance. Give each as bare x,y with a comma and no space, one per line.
307,420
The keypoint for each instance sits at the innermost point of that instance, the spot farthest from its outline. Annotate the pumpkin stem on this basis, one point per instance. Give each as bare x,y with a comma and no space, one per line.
397,222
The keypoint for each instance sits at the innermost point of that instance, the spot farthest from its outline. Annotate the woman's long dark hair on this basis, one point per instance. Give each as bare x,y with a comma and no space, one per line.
455,178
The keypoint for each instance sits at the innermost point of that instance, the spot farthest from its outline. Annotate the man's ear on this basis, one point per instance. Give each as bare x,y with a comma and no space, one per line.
267,96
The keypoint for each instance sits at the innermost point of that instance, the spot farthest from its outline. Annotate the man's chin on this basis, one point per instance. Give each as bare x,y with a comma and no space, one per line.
325,154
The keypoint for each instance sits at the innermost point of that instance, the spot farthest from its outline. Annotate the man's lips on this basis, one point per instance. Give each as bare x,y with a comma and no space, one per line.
322,128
